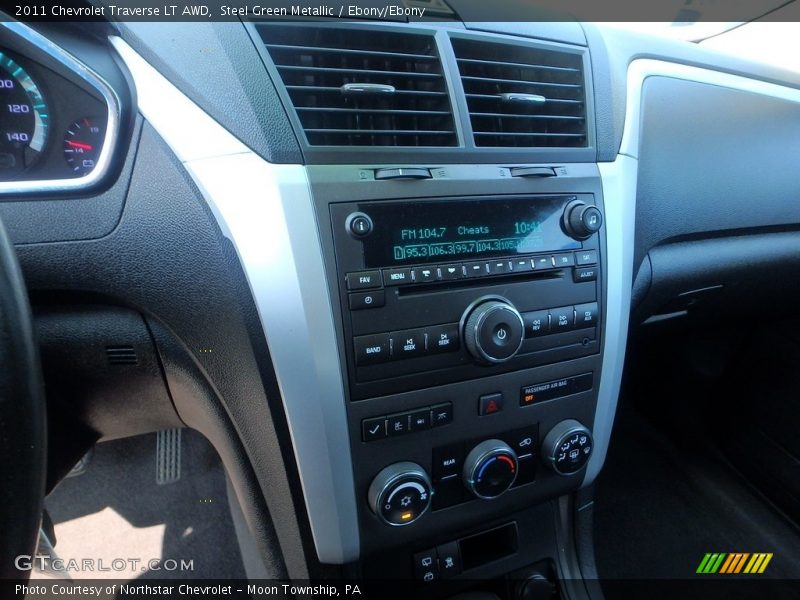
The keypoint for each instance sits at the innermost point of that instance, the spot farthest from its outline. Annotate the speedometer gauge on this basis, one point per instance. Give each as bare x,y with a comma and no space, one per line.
23,126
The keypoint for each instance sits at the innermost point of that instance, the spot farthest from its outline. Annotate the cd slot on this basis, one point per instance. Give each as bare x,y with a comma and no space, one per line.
441,286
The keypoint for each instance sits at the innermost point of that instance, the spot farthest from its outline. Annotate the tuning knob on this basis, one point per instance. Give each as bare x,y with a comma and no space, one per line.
490,469
567,447
400,493
581,220
493,331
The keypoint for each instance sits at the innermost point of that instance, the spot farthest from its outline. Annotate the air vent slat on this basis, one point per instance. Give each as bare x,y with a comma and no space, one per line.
520,81
523,95
516,65
351,51
379,111
335,71
361,87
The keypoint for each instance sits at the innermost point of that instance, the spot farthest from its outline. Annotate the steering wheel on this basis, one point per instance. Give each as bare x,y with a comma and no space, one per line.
22,420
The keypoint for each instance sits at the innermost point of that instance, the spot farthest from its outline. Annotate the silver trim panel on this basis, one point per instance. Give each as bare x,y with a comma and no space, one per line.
112,125
266,210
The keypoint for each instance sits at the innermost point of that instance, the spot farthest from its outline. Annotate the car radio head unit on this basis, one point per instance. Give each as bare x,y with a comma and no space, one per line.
403,233
433,287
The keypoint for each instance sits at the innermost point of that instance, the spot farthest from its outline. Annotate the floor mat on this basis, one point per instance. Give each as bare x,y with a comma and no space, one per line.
115,511
660,507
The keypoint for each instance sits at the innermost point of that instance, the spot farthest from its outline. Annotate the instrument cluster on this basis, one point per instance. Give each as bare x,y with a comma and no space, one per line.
58,119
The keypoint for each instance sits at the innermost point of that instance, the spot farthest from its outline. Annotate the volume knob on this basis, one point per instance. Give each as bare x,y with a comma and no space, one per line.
582,220
493,331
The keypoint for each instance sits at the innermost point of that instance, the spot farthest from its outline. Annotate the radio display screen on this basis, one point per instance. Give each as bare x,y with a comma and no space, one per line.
454,230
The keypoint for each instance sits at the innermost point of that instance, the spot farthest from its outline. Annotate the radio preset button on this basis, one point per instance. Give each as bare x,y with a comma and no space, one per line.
499,267
586,257
586,315
364,280
520,265
362,300
564,260
581,274
424,274
536,323
372,349
562,319
397,276
542,262
408,344
450,272
476,269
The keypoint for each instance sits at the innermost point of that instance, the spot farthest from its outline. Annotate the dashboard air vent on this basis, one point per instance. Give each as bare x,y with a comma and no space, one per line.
362,87
521,96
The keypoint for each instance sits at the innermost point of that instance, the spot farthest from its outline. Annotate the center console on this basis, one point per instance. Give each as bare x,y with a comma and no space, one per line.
471,312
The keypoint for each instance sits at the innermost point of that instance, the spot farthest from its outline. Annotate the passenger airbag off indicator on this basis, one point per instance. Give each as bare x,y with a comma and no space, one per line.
540,392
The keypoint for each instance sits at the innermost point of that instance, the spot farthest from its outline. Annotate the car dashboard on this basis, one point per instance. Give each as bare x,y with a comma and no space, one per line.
388,269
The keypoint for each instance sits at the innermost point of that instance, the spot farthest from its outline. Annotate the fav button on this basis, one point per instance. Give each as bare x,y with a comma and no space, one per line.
364,280
564,260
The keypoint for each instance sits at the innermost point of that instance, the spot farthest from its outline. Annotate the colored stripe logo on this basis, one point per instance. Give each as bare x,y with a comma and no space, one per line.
734,562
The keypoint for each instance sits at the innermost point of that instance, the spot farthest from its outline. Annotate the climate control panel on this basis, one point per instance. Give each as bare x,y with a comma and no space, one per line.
477,470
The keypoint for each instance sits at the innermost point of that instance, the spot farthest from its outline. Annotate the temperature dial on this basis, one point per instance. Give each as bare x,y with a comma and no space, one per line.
82,143
567,448
400,494
490,469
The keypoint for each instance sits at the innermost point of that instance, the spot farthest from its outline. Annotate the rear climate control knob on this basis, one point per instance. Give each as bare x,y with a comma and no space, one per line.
493,331
400,493
490,469
567,447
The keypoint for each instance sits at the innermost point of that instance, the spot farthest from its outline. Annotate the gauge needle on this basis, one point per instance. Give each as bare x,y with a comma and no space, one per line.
79,145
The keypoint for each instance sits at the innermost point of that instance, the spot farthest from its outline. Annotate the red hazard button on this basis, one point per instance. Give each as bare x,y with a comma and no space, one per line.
490,404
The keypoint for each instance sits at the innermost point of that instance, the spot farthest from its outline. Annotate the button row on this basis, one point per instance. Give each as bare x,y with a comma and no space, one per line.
363,280
558,320
378,428
437,563
382,347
